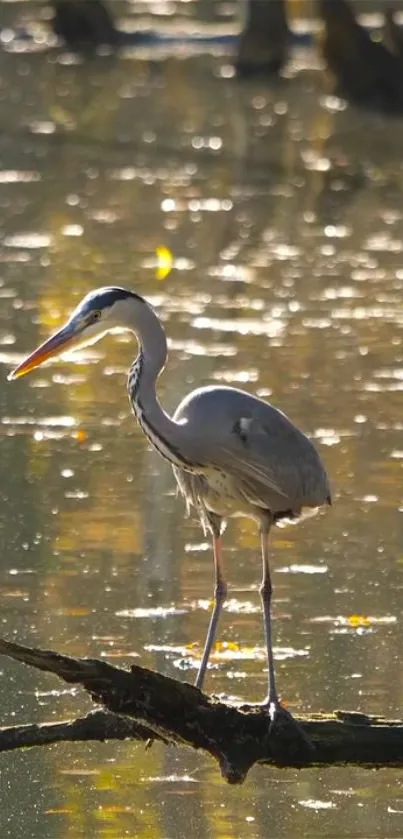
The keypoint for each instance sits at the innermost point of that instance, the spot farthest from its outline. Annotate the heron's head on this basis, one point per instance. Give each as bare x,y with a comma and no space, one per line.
101,311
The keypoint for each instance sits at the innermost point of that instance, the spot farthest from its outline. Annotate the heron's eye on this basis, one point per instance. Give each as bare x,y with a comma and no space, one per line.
96,315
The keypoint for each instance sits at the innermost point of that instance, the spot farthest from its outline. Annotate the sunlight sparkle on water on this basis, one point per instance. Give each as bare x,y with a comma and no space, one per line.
47,422
229,651
197,546
194,348
327,436
170,779
152,612
168,648
303,569
72,230
42,127
316,804
244,607
248,326
28,240
239,377
13,176
232,273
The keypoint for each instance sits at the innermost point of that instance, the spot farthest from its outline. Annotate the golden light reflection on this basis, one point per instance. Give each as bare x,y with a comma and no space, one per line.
287,282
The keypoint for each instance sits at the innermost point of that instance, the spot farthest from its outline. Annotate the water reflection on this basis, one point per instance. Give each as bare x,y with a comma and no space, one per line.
288,279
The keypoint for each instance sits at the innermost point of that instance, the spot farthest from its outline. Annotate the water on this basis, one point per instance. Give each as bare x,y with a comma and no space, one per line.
283,213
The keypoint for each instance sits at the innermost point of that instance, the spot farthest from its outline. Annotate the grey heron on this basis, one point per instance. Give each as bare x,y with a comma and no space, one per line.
231,452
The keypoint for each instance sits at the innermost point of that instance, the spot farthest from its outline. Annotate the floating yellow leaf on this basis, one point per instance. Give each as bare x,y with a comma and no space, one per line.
80,436
354,620
231,646
359,620
164,262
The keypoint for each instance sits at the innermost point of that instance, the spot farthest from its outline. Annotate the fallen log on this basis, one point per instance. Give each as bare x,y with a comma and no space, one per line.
142,705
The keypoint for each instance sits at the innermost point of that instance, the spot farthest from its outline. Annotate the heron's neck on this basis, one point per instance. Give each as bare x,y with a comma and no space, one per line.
167,436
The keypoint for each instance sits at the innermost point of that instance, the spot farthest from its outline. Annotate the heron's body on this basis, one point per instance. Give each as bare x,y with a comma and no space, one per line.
232,453
264,465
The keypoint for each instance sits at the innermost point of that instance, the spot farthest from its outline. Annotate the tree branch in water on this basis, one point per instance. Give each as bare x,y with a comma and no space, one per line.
146,705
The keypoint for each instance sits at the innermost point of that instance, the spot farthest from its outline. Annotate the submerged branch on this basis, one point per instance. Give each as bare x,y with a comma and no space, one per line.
145,705
97,725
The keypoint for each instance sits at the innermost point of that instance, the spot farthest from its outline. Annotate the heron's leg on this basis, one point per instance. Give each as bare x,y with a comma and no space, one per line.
220,593
266,593
279,716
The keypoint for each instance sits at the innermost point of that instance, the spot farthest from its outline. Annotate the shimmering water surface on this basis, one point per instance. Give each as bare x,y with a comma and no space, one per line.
283,212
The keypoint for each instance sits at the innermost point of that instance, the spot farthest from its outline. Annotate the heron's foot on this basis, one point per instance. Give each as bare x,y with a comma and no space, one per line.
288,733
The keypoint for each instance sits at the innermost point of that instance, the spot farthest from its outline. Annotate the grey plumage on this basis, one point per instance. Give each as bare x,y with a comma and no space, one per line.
232,453
262,463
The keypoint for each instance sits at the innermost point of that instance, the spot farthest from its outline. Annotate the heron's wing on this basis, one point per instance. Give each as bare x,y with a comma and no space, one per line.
262,460
273,464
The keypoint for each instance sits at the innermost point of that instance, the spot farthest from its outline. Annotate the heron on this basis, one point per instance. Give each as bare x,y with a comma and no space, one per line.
232,453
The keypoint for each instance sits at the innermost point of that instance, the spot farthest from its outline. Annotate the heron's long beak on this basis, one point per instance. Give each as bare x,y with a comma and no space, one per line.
61,341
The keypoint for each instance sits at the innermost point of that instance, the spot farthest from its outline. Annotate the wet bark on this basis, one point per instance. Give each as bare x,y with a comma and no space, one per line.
264,41
142,705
